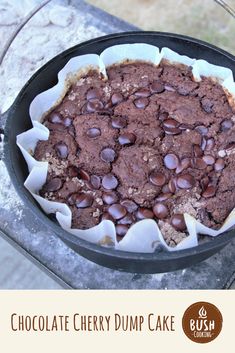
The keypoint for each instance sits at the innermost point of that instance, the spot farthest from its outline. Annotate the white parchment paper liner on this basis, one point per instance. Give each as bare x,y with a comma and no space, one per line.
144,236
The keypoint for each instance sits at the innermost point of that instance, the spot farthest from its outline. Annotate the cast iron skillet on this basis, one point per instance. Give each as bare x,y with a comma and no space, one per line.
18,121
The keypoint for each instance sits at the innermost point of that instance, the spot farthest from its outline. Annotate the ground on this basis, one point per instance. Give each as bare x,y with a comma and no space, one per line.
201,19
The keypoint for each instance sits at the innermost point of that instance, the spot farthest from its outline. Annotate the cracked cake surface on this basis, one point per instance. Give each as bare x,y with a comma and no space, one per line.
147,142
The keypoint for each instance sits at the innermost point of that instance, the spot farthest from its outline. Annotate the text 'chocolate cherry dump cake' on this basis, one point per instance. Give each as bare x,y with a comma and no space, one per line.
148,142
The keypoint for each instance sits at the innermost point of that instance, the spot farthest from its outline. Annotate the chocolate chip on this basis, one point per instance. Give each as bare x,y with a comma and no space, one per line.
160,210
172,131
95,181
219,165
197,151
198,163
56,127
53,185
230,146
169,88
163,116
209,169
93,132
172,185
210,143
163,197
203,143
170,123
209,192
84,175
171,161
71,199
119,122
141,103
83,200
127,138
143,92
93,93
178,222
185,126
144,213
226,125
110,197
203,130
128,219
129,205
165,189
72,171
106,217
121,230
117,211
109,182
206,105
204,182
157,87
108,106
55,118
94,105
61,150
157,178
108,155
185,181
116,98
184,164
210,160
67,122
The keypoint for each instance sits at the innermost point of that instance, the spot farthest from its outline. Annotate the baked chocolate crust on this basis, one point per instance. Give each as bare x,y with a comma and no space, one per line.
148,142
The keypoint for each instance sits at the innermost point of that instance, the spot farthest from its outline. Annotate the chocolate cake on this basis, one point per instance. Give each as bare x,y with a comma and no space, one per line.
148,142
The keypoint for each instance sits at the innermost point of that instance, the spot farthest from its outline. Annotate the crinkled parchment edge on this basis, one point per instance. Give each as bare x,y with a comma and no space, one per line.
144,236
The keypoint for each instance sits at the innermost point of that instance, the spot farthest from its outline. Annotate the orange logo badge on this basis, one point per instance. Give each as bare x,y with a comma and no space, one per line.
202,322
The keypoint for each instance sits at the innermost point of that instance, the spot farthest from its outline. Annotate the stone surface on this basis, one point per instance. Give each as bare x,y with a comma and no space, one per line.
61,16
40,19
8,17
27,275
41,40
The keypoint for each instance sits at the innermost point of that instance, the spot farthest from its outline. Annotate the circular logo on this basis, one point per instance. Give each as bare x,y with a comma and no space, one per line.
202,322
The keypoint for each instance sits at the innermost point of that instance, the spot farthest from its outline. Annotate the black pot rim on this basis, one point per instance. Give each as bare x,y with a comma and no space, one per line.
216,242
